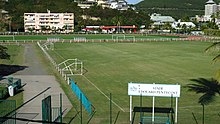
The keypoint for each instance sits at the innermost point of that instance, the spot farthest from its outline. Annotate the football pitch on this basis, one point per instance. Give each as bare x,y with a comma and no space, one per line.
87,36
109,67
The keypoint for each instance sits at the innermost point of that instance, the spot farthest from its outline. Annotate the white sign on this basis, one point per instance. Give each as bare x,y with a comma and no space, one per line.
163,90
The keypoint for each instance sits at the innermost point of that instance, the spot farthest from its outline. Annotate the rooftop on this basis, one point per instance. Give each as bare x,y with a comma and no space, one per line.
210,2
159,18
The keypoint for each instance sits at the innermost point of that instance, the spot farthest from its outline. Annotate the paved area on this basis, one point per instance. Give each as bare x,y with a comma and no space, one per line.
37,80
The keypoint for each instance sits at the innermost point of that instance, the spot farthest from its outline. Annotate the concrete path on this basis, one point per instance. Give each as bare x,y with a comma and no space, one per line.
37,80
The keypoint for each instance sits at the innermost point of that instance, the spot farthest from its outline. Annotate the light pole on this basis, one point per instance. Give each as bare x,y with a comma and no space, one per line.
9,25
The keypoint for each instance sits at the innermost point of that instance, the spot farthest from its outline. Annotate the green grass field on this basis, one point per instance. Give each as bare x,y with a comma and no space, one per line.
109,67
16,58
87,36
16,55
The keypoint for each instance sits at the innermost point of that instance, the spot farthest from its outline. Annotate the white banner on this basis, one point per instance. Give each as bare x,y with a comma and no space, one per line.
163,90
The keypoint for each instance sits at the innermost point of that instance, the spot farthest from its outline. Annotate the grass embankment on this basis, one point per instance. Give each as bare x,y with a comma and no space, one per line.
16,58
111,66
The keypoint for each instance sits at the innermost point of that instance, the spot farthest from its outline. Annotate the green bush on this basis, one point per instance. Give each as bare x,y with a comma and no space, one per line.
3,92
212,32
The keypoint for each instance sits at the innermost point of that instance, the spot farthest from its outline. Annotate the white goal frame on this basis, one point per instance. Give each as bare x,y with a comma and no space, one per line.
48,45
117,35
123,37
70,66
126,38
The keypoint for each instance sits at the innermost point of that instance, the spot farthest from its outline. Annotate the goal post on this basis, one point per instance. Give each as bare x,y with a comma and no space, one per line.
71,67
123,37
117,35
48,45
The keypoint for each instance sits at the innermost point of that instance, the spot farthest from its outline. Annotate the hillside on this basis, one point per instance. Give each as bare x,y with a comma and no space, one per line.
107,16
176,8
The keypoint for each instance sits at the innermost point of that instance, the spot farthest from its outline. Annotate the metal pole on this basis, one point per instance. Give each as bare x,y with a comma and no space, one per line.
81,115
153,109
10,25
176,112
194,118
141,108
61,107
76,64
116,117
130,109
171,106
110,102
81,68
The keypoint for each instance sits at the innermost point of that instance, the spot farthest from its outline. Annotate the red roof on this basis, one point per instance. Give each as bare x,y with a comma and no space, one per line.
107,27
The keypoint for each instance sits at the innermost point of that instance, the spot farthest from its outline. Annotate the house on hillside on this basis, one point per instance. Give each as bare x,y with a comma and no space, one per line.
3,13
86,4
119,4
159,20
163,19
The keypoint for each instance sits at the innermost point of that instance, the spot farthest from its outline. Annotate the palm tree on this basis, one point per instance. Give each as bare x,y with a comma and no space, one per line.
215,47
209,88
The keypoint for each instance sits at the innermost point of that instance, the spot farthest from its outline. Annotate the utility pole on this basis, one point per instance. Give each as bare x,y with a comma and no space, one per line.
9,25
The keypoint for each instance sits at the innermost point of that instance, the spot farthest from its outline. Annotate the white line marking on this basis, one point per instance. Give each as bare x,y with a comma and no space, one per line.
103,93
95,87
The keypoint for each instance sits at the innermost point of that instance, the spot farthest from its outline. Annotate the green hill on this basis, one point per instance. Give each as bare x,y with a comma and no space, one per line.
176,8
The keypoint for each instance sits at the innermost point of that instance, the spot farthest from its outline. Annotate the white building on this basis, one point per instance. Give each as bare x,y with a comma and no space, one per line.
88,3
180,25
210,8
119,4
159,20
162,19
49,22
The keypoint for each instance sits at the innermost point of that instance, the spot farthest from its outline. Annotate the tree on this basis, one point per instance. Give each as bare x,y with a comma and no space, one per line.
3,53
208,87
167,26
184,27
215,47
